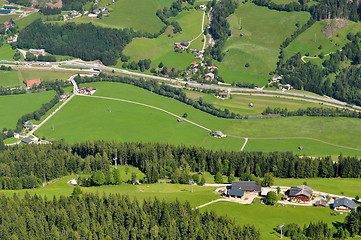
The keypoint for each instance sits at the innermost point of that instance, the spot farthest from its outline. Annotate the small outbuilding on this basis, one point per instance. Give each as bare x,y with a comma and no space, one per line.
219,134
180,120
27,141
320,203
300,148
73,182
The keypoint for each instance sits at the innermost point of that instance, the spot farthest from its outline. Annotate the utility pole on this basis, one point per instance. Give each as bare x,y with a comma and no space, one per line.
315,38
115,162
281,226
191,183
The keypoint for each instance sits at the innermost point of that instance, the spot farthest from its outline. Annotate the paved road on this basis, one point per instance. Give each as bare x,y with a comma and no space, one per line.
82,64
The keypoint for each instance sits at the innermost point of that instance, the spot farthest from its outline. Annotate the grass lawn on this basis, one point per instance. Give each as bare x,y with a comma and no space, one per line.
44,76
137,123
161,48
9,79
168,192
126,176
14,106
25,21
269,217
137,14
309,41
264,30
6,52
240,103
341,186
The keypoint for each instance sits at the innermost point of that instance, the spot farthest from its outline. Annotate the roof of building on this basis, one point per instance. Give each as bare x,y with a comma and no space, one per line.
236,192
7,23
218,133
194,63
90,89
209,75
4,11
223,93
246,186
27,140
10,7
30,83
301,190
321,202
344,202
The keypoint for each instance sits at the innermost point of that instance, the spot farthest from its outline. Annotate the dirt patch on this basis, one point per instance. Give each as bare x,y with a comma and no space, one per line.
333,25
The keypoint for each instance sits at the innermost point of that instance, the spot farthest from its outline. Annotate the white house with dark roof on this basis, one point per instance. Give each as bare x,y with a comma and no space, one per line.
344,204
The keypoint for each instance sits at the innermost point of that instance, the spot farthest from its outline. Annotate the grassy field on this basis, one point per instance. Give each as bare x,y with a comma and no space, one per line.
9,79
138,123
137,14
44,76
169,192
240,103
264,30
309,41
269,217
25,21
161,48
14,106
341,186
6,52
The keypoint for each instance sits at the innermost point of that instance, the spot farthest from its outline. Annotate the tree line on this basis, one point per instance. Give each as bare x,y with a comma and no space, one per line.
156,160
351,227
50,10
314,112
25,3
164,90
85,41
112,217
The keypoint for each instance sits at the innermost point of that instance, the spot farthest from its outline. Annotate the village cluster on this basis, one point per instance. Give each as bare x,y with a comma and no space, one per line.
246,191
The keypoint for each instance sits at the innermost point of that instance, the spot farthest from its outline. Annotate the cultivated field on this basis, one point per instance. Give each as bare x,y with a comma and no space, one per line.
264,31
269,217
9,79
14,106
89,118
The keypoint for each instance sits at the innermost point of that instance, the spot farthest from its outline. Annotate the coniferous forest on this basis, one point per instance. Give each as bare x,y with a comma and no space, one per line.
112,217
29,166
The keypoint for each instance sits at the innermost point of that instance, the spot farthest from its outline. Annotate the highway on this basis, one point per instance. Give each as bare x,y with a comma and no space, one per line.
83,64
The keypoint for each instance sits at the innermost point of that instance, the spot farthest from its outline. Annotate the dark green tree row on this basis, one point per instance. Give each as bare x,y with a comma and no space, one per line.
325,9
85,41
315,111
25,3
47,162
50,10
351,227
219,26
164,90
74,4
112,217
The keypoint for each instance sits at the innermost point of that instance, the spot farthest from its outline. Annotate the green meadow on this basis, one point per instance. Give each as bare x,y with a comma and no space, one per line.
161,49
25,21
267,218
263,31
340,186
14,106
85,118
9,79
310,41
168,192
240,103
6,52
44,76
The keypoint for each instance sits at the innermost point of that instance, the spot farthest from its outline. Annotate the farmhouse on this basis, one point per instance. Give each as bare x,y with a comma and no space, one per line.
343,204
96,11
7,25
219,134
12,39
74,12
37,51
223,94
301,193
212,67
209,76
320,203
239,188
186,72
27,141
194,64
185,43
30,83
72,182
203,7
87,90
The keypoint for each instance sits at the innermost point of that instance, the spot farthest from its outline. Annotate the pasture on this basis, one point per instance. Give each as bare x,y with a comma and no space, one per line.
168,192
340,186
9,79
45,76
14,106
161,49
263,32
240,103
130,122
309,42
269,217
6,52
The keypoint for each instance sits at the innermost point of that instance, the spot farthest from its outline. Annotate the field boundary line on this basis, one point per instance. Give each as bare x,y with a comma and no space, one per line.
150,106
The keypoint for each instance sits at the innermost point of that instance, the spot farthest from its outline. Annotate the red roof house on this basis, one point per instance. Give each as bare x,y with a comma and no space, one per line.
30,83
194,64
223,94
